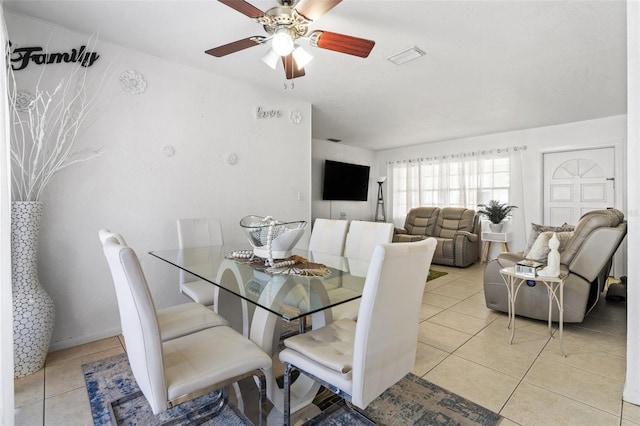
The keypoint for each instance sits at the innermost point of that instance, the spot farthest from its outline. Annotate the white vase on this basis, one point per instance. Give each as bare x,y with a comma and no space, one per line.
495,227
33,310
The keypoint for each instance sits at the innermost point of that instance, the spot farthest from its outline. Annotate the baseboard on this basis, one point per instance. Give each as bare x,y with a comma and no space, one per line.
75,341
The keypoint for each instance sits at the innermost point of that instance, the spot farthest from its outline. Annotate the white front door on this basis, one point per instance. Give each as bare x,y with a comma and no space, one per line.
576,182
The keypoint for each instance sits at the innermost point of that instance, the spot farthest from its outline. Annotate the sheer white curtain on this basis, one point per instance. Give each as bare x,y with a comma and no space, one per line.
459,180
519,222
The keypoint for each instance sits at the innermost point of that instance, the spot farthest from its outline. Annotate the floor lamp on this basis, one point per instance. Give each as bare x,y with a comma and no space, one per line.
380,213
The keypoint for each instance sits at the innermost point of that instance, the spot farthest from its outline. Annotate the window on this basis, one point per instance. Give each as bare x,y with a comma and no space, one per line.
494,180
464,180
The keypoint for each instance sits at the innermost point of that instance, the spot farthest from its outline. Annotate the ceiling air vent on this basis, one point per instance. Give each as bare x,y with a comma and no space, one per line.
406,55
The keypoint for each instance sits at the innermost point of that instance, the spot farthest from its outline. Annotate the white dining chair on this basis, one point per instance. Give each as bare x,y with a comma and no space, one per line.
360,243
178,320
175,371
364,236
359,360
194,233
328,236
326,246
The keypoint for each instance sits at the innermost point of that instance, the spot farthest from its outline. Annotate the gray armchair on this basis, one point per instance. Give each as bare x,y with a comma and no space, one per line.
587,258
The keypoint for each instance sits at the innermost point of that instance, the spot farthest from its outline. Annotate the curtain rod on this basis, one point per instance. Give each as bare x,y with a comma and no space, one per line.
462,154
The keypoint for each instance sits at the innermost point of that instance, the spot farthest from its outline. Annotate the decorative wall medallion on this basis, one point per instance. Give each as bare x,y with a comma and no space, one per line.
24,101
169,151
296,116
232,159
133,82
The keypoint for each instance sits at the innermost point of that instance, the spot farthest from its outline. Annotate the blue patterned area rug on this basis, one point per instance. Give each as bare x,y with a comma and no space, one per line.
411,401
110,383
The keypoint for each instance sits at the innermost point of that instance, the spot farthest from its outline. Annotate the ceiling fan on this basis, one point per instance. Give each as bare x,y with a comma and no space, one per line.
287,23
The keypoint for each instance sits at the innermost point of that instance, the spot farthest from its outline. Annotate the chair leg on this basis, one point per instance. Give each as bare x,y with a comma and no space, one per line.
359,412
287,394
262,389
303,324
239,399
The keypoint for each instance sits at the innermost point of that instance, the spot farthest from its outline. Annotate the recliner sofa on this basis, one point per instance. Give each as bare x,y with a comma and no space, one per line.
587,258
455,229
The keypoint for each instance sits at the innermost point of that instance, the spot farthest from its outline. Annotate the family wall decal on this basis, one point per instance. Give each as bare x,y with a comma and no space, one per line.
23,56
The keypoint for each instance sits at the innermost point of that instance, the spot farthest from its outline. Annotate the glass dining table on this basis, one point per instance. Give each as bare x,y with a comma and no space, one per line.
257,300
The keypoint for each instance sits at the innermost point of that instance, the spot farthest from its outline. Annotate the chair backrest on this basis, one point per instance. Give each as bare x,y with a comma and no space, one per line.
194,233
386,336
138,320
328,236
421,220
105,233
363,237
199,233
454,219
595,240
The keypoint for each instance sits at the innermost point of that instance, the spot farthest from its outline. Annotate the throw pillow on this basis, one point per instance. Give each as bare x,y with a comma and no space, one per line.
540,249
536,230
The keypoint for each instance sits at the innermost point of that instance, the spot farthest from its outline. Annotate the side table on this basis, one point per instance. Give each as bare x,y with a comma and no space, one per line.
555,292
494,237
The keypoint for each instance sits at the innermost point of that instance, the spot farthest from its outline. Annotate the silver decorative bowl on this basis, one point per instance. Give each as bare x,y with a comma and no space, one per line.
272,239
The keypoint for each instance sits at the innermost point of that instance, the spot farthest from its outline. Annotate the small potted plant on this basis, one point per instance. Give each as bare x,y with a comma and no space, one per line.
496,212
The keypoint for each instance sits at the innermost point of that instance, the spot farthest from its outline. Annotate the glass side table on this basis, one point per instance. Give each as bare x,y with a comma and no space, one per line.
555,292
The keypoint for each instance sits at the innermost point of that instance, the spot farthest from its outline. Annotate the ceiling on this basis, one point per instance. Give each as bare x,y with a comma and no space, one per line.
491,66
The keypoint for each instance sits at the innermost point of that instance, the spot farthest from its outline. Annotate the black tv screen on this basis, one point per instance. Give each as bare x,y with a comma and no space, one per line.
345,182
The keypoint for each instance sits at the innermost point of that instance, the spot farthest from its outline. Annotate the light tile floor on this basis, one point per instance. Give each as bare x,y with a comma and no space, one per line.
462,347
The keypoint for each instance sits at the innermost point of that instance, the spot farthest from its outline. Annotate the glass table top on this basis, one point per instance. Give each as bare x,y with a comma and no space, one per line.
290,296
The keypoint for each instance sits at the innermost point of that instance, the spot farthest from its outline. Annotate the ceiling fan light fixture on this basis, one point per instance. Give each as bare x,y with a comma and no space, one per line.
282,42
302,57
271,58
284,25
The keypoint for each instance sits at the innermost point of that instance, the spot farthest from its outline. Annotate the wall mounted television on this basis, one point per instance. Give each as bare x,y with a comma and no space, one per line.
345,182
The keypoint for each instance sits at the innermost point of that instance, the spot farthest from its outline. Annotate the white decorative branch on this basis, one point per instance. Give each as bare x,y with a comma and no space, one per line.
45,133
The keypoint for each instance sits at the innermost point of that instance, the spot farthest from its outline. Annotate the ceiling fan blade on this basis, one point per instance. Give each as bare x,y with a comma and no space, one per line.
313,9
235,46
245,8
341,43
291,69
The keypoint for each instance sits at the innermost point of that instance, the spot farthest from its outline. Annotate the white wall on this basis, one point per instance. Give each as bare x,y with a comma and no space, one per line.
355,210
137,190
586,134
7,399
632,383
